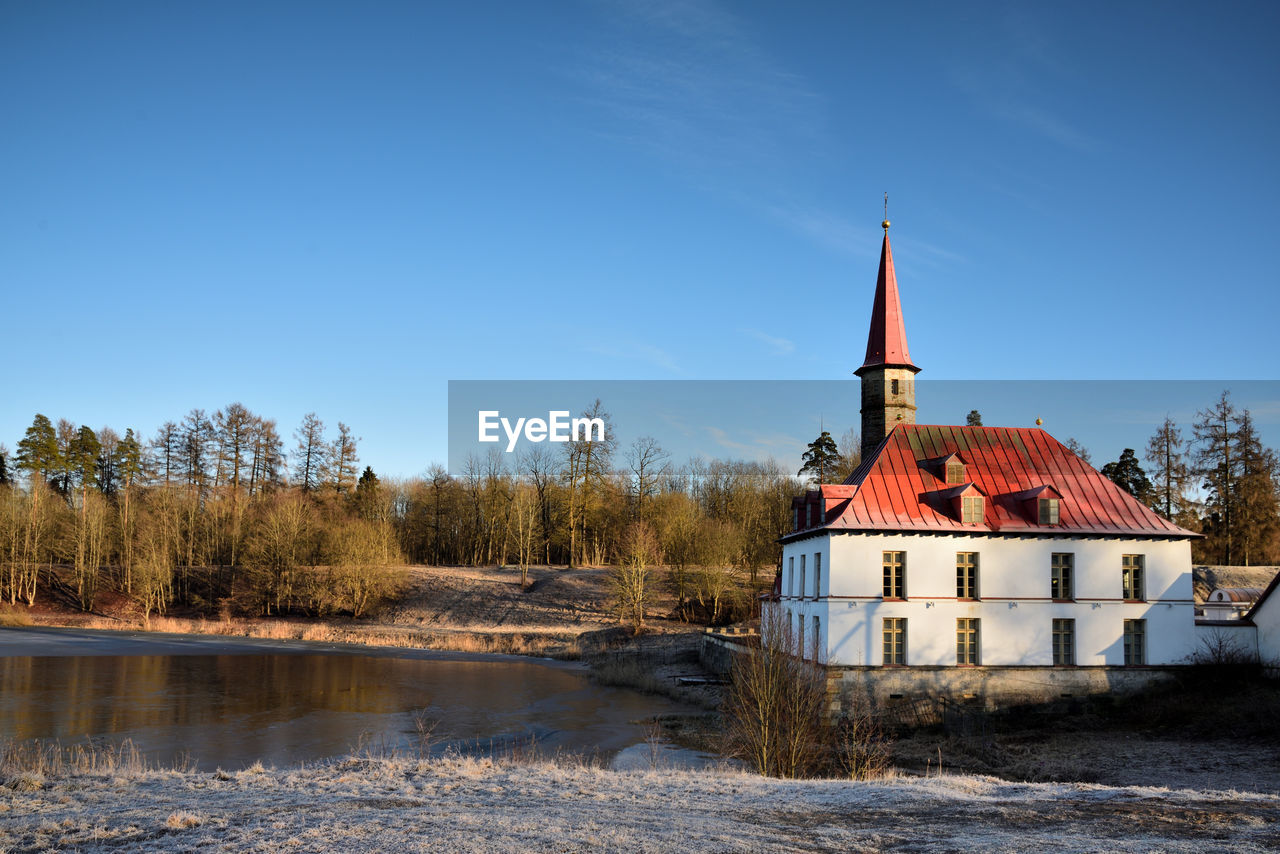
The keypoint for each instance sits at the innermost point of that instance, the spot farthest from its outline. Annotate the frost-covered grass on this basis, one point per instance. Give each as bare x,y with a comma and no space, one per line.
466,804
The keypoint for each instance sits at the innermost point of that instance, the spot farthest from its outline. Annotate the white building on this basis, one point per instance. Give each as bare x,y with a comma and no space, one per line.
1230,603
953,554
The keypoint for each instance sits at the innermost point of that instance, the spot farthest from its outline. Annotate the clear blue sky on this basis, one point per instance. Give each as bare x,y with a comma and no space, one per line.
339,207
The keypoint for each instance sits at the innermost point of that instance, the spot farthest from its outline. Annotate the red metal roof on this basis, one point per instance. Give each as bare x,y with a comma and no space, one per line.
898,487
887,340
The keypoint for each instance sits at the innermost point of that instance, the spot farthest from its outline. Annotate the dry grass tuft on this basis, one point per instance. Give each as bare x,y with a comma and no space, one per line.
13,616
27,764
627,673
183,820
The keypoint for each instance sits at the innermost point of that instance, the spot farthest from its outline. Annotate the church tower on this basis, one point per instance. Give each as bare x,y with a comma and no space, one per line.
888,377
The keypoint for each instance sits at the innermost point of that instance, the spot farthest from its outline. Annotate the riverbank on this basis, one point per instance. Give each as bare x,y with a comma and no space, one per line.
399,804
464,609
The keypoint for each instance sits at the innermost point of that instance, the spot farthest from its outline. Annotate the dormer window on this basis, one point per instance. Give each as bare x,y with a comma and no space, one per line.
795,518
809,515
971,509
955,471
1048,511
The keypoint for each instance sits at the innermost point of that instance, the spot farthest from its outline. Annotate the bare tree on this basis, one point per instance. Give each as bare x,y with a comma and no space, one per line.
1165,452
587,463
637,552
343,461
166,448
648,465
311,454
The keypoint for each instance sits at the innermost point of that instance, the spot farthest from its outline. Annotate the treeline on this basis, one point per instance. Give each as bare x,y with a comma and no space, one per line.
206,514
212,513
1220,481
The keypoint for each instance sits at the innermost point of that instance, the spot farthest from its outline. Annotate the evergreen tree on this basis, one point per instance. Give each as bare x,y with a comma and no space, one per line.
973,419
6,474
821,459
368,494
38,451
1127,474
129,461
82,460
1258,524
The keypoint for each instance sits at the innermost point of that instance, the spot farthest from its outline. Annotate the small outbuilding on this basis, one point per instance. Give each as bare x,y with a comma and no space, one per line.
1230,603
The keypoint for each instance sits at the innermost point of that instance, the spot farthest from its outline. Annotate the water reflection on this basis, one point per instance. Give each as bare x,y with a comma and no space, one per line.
229,710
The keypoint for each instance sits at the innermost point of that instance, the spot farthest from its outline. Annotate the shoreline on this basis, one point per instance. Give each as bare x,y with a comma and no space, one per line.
58,640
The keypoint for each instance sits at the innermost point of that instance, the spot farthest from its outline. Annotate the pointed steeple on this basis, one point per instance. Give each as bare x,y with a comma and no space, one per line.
887,339
888,377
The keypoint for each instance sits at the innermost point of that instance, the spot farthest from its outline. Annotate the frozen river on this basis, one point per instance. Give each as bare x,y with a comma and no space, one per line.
228,702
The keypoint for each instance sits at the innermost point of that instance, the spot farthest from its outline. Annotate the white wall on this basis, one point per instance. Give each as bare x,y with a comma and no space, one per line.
1267,620
1016,611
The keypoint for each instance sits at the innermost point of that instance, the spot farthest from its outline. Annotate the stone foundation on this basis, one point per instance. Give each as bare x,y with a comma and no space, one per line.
719,648
987,687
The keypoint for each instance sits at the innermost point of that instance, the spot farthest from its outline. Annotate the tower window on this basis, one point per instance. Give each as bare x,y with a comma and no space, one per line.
893,387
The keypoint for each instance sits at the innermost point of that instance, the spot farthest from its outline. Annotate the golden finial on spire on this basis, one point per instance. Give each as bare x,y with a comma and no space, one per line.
885,224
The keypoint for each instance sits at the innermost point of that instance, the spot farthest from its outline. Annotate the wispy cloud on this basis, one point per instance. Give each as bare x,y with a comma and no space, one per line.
637,351
833,230
780,346
757,446
1019,90
688,80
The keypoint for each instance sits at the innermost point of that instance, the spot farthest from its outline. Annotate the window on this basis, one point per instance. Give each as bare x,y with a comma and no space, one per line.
966,641
795,518
1064,642
817,575
1061,567
1048,511
955,472
1131,573
802,557
895,640
966,575
895,575
1135,642
800,635
893,387
808,515
791,576
817,637
971,510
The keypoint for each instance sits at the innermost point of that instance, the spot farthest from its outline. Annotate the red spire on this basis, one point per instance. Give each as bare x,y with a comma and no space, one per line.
887,340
